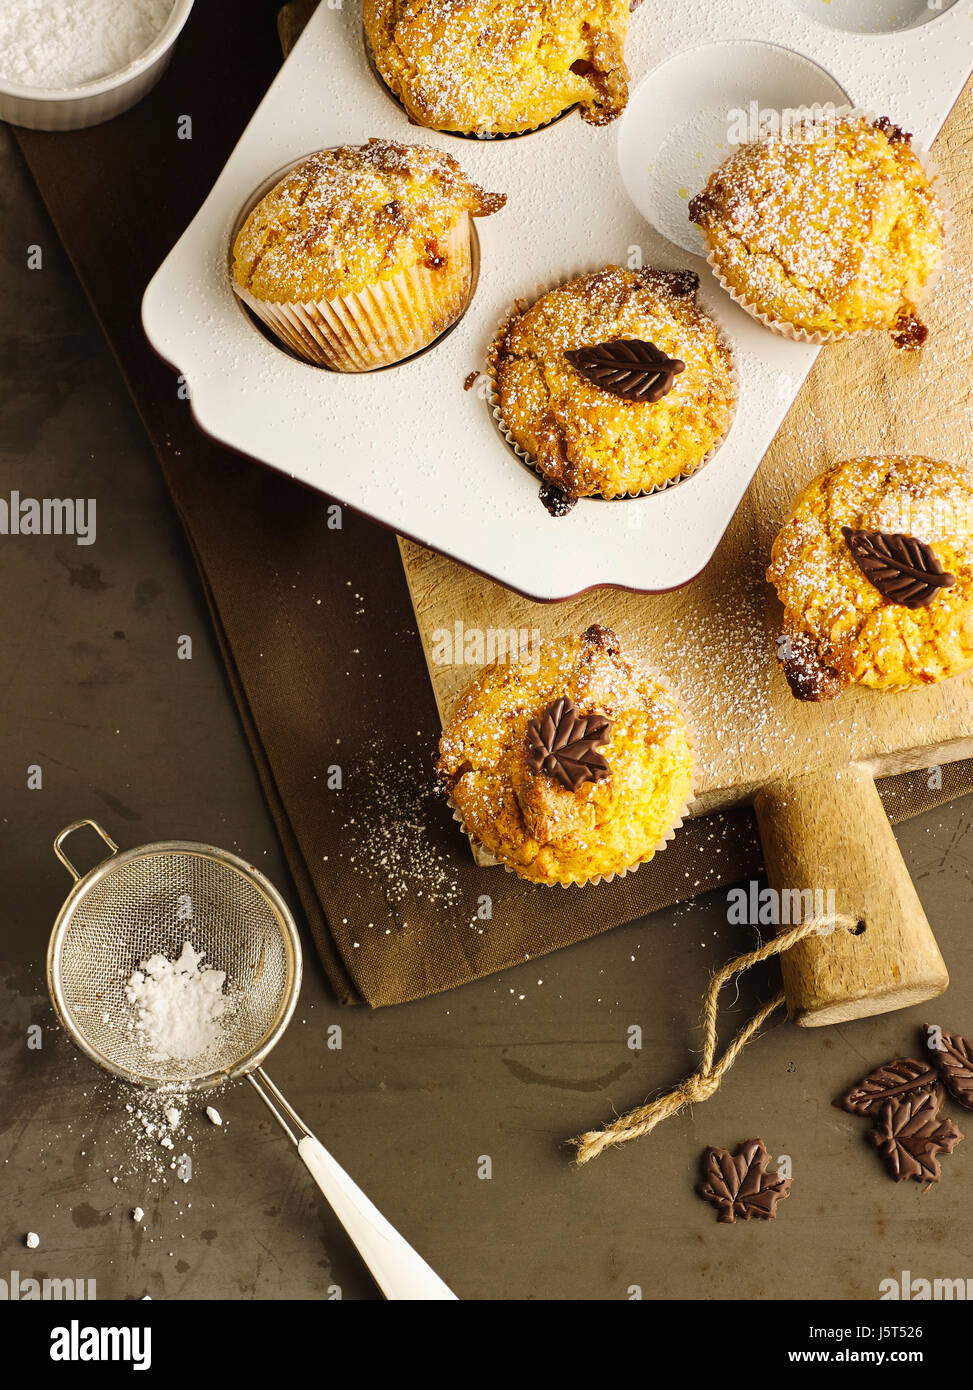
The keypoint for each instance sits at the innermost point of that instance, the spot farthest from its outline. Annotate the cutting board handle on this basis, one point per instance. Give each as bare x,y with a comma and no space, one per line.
828,832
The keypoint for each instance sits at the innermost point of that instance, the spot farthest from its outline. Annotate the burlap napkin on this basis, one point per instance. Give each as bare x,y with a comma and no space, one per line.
315,621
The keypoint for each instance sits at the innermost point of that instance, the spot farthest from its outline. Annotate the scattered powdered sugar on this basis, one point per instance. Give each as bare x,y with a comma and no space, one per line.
65,43
156,1118
178,1006
390,836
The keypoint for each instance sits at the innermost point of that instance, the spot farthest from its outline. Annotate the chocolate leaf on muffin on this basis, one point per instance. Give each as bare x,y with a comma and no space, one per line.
903,569
564,743
634,370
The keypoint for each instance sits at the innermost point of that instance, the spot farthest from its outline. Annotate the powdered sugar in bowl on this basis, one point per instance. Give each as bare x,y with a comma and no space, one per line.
65,64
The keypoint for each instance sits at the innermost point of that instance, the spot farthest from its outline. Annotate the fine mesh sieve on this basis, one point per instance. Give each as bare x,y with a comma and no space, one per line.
151,901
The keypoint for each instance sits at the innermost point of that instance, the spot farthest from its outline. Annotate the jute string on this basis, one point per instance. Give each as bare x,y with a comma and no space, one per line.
706,1081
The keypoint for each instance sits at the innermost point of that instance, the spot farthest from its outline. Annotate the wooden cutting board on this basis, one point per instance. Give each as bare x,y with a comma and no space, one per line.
808,769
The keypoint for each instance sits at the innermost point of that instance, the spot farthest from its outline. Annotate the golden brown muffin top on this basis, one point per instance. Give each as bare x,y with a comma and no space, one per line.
545,830
501,66
344,218
839,628
833,226
585,439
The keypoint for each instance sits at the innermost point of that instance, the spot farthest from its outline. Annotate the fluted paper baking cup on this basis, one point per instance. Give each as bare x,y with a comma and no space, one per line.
685,811
819,337
532,463
382,323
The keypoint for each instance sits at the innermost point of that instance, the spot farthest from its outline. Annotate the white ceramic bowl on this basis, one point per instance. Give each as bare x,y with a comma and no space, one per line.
71,108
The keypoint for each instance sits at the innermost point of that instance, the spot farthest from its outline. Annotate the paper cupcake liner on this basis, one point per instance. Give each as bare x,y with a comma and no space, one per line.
479,134
819,337
532,463
384,322
685,811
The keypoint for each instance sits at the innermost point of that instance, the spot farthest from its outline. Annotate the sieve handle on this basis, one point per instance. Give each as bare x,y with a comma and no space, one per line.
397,1269
69,830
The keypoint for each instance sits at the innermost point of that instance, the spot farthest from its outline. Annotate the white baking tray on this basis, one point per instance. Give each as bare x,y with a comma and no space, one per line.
407,445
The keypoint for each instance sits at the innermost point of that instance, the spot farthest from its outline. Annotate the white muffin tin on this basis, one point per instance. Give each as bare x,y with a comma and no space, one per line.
408,445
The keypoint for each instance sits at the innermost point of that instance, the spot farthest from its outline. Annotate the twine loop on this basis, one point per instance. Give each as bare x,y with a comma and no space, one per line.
704,1083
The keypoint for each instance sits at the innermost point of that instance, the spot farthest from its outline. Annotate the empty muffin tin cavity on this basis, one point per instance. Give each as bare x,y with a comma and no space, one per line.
687,116
873,16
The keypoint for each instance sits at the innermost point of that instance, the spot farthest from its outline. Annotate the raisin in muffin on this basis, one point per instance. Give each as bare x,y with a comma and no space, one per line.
361,255
499,67
570,767
875,571
590,433
831,229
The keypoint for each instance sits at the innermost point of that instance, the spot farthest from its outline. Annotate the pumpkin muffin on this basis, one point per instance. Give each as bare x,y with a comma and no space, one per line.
499,67
614,383
570,767
875,572
831,229
362,255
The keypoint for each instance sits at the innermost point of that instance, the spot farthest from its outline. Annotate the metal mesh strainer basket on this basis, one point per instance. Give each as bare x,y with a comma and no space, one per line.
152,900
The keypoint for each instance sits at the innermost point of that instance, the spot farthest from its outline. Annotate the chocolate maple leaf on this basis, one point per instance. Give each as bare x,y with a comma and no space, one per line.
739,1184
903,570
902,1077
563,743
953,1055
910,1135
630,368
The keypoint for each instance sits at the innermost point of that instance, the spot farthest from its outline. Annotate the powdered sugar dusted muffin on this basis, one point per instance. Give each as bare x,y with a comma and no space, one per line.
875,571
500,67
614,383
569,767
830,228
361,255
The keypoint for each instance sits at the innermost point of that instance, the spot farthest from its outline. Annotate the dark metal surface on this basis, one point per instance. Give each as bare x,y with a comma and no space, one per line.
417,1097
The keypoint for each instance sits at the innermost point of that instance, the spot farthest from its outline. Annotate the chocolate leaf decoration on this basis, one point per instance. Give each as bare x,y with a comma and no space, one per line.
563,744
953,1056
903,570
634,370
739,1184
893,1081
910,1135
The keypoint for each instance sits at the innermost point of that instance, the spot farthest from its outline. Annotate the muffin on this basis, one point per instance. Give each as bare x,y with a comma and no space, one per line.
613,384
496,67
569,767
362,255
875,572
831,229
